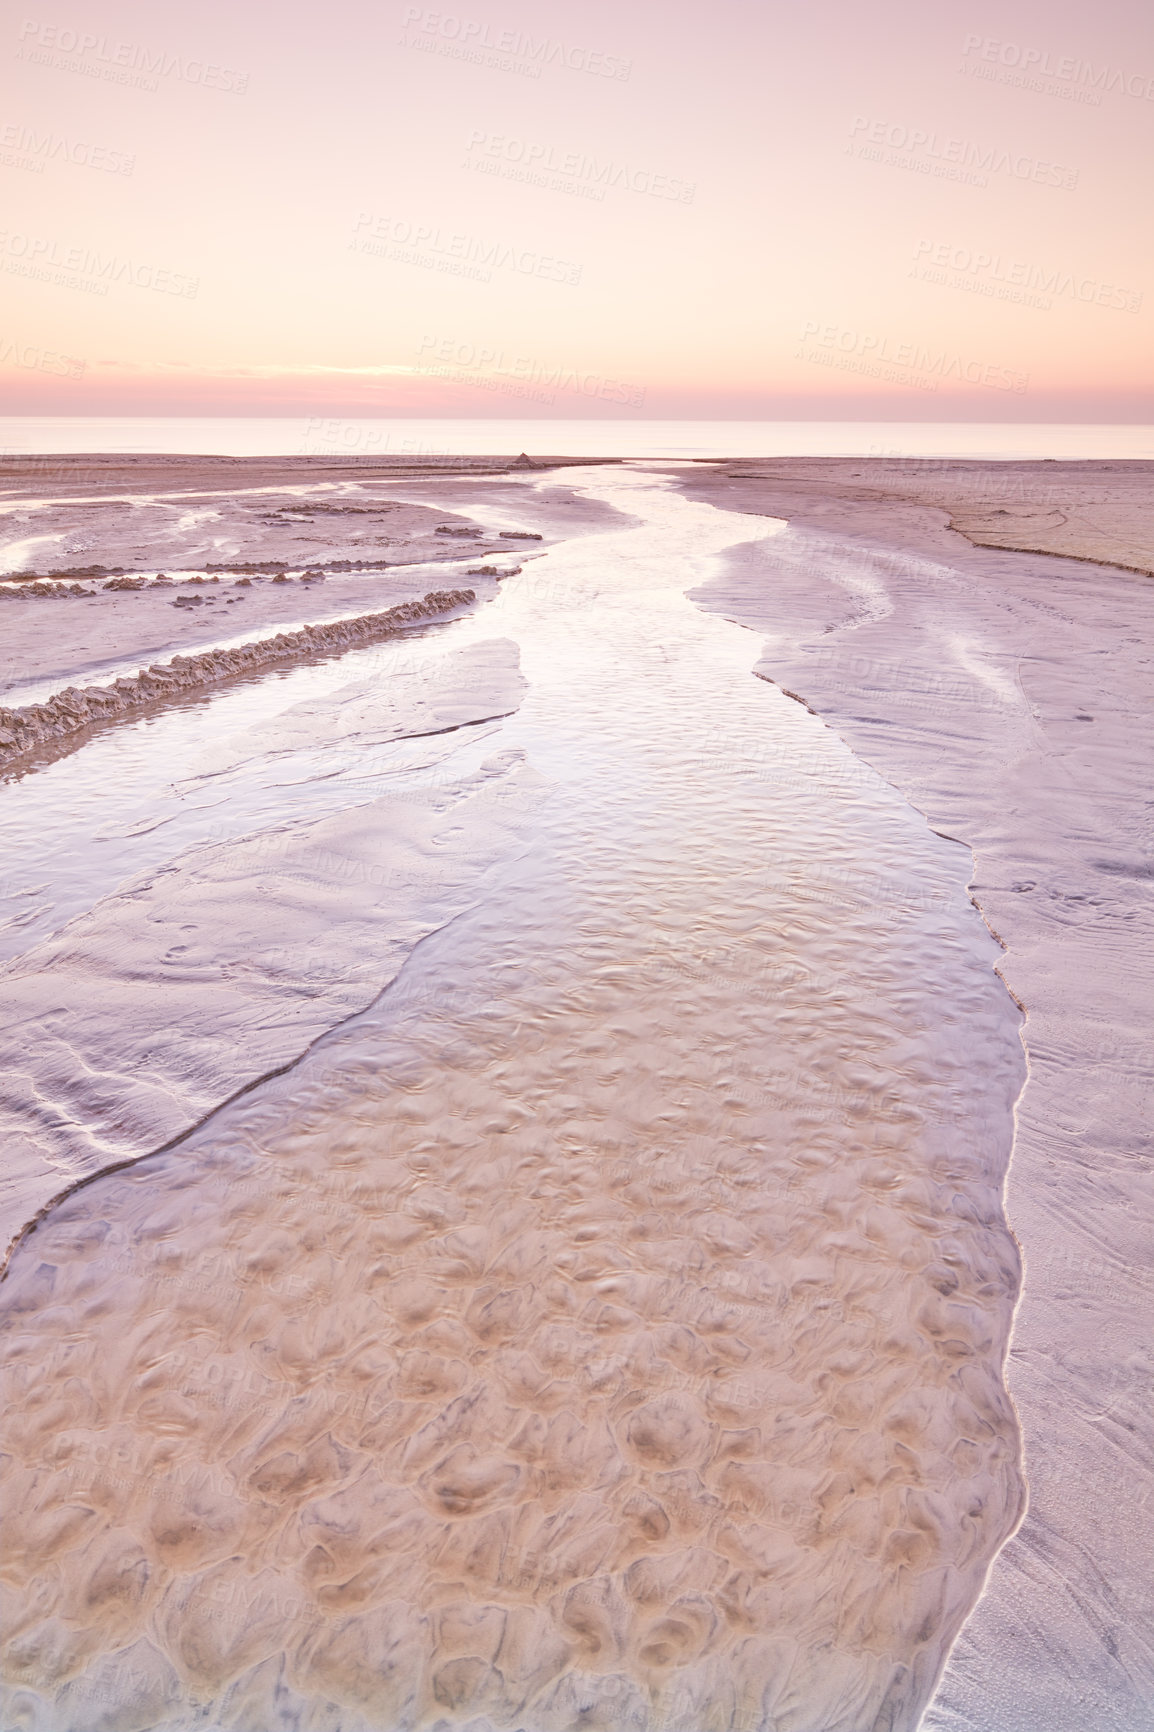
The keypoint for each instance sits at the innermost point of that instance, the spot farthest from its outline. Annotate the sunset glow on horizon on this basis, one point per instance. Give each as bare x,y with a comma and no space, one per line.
579,211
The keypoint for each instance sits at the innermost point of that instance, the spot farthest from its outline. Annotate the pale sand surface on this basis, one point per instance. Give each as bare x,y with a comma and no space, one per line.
1101,510
1010,698
66,718
175,516
606,1328
49,645
61,474
196,977
204,972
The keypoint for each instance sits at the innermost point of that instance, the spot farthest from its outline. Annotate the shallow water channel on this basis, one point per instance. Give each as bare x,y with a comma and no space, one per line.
605,1328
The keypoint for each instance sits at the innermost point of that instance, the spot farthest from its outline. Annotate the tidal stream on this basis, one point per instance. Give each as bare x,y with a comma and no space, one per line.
605,1328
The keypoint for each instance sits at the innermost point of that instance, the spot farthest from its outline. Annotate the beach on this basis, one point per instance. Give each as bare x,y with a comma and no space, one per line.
577,1159
1008,696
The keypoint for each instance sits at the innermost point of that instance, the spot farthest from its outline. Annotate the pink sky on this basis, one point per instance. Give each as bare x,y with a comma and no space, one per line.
526,208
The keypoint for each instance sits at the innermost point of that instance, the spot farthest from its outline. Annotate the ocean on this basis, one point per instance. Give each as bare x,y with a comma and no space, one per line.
328,436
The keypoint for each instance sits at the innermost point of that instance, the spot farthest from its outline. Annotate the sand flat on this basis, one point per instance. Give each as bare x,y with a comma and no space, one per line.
226,959
210,525
1009,697
210,545
1100,510
607,1326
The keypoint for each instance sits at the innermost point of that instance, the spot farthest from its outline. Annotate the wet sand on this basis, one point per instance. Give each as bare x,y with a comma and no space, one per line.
160,999
158,977
241,546
69,715
1101,511
605,1328
1008,696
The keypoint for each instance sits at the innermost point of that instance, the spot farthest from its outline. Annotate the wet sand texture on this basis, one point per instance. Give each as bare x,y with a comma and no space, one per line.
64,474
200,976
1008,695
605,1329
73,709
375,548
1098,511
162,519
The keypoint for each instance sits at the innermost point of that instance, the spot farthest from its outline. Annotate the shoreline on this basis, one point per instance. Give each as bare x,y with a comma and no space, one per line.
972,495
24,475
265,997
1003,693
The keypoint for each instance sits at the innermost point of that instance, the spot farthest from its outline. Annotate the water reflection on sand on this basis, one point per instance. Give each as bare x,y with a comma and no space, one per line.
603,1330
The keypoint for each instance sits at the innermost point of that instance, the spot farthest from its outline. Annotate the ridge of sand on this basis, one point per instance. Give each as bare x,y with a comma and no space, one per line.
74,708
266,521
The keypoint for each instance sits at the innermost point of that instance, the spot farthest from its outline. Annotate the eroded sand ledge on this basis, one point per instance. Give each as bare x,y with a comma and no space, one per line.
1008,696
75,708
77,520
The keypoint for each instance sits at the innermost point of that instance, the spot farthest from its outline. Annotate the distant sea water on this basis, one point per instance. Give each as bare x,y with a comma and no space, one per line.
327,436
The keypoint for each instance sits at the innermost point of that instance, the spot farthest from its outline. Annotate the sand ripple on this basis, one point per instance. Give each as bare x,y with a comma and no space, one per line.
603,1331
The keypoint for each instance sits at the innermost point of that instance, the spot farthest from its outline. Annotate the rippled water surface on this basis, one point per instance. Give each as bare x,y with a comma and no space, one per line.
603,1330
213,767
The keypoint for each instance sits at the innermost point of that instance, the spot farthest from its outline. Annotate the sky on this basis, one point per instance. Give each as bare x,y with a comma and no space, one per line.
537,207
